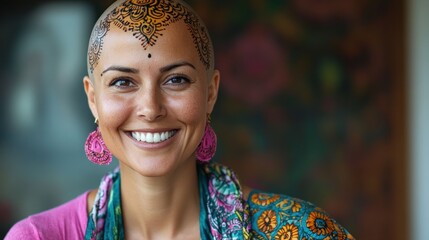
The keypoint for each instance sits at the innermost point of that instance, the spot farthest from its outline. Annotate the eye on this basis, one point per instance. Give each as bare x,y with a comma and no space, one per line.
177,80
122,83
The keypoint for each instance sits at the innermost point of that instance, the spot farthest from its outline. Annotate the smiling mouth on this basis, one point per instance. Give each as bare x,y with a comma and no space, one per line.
155,137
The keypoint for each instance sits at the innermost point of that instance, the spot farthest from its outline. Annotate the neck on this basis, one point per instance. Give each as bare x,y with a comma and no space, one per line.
164,207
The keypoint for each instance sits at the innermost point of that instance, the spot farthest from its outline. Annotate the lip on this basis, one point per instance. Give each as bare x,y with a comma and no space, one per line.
146,145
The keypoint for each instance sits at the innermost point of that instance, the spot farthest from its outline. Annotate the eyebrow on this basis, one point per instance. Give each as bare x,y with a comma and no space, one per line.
120,69
175,65
134,70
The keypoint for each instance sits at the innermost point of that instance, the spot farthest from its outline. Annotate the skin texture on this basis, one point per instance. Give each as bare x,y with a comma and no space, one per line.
172,90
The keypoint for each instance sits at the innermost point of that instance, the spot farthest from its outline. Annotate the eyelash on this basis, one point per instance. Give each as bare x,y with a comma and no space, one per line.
184,80
121,80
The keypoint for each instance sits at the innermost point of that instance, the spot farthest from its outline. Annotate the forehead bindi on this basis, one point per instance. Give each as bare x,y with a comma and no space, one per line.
147,22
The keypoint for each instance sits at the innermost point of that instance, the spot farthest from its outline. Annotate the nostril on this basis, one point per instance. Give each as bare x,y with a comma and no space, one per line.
152,114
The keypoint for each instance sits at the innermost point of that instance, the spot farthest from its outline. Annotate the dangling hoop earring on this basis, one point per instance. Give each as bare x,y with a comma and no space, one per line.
207,147
95,148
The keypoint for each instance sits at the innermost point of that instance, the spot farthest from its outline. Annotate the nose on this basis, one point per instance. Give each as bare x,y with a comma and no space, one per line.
150,104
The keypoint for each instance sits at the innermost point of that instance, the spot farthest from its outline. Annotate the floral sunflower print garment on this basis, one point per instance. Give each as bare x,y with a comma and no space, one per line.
276,216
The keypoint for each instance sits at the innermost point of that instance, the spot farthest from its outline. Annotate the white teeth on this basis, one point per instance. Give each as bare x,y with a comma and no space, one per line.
163,136
149,137
156,137
136,135
152,137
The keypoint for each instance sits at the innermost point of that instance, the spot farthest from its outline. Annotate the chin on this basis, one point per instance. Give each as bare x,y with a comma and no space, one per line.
156,166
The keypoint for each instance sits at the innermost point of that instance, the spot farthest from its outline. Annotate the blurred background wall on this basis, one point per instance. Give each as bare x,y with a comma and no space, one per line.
316,101
45,118
418,112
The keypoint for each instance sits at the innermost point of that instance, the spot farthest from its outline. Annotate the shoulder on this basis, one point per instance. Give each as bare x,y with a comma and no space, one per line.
274,216
67,221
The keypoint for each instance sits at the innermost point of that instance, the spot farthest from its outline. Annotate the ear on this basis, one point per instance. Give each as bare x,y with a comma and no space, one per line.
90,94
213,90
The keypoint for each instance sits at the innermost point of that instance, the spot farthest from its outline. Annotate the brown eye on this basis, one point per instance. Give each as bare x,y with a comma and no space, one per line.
177,80
122,83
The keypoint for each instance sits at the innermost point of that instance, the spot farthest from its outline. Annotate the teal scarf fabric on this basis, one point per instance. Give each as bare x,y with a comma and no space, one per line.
223,212
105,219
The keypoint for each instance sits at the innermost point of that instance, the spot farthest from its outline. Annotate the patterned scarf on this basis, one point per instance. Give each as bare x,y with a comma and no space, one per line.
224,214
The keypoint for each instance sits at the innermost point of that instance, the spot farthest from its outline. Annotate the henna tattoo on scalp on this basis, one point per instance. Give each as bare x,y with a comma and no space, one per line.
146,19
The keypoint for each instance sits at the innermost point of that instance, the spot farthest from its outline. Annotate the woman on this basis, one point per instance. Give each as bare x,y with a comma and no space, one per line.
151,88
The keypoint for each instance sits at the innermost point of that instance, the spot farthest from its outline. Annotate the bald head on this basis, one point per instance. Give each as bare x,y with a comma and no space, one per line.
146,20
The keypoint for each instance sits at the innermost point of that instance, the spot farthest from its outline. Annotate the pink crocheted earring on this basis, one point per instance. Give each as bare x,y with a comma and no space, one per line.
96,150
207,147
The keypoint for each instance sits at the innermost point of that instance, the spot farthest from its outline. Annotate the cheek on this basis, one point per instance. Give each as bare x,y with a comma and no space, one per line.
113,110
191,109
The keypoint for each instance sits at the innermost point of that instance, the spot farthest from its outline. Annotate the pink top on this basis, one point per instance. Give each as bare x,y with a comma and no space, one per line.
67,221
